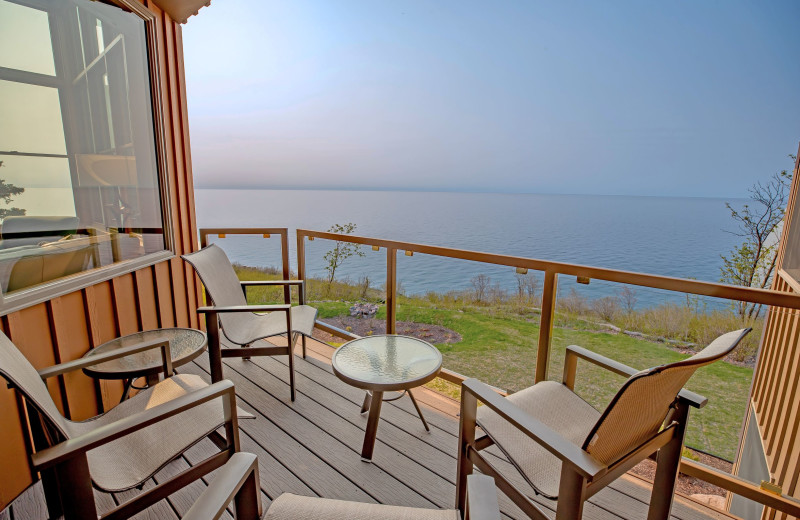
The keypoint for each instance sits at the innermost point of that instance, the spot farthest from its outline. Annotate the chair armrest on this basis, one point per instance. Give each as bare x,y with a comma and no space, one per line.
63,368
574,352
597,359
79,445
248,283
213,502
549,439
482,498
243,308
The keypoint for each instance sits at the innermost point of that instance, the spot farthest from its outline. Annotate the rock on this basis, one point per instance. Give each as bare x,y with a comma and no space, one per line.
633,333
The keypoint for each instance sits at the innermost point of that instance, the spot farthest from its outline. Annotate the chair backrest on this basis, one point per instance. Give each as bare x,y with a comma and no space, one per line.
17,370
222,285
639,408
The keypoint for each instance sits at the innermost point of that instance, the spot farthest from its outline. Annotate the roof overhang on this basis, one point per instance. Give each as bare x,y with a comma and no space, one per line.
181,10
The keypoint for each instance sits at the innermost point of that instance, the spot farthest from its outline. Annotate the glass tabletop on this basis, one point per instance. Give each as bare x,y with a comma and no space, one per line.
381,361
185,345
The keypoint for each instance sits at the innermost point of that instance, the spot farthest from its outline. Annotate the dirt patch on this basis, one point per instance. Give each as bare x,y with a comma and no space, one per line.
689,485
435,334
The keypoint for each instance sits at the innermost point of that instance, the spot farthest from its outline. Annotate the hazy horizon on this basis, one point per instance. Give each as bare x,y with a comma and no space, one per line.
680,99
410,190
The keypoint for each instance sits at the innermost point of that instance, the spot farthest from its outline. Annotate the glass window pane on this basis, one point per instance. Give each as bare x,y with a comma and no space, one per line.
31,119
25,39
79,180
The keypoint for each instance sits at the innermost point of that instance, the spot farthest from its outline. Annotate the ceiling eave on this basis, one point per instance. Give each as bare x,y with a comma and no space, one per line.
181,10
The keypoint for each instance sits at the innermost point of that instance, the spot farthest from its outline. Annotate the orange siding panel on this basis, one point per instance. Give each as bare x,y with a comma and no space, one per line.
145,291
29,331
16,477
125,308
177,268
166,307
72,340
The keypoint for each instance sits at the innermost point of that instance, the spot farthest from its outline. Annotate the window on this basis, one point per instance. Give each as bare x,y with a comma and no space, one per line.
80,188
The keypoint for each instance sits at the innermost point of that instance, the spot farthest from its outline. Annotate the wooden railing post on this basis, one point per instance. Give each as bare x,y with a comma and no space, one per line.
391,290
301,267
301,275
546,324
287,290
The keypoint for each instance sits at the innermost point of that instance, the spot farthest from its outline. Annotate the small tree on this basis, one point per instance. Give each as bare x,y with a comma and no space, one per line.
526,287
7,193
628,298
481,285
752,263
606,307
341,252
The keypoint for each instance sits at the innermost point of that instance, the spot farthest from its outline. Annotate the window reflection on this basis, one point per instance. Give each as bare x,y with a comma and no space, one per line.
79,182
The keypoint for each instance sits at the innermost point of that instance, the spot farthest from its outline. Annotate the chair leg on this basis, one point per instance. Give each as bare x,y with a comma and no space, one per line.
52,495
571,493
668,464
77,497
304,346
291,371
247,501
214,351
466,438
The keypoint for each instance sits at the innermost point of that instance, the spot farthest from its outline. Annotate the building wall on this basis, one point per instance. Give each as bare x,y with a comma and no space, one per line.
163,295
776,383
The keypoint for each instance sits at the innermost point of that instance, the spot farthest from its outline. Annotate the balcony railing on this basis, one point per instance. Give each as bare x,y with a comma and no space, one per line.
551,271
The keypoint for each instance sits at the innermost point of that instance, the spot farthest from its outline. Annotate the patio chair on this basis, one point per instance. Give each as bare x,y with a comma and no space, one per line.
568,451
124,447
240,323
238,481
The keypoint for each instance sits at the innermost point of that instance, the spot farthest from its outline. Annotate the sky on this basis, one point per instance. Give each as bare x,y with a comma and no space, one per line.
679,98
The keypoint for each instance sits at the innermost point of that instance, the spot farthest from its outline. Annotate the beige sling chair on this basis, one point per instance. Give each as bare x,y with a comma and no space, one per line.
566,450
240,323
124,447
237,481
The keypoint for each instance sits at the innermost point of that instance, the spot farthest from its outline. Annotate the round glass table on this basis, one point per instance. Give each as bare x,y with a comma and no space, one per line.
385,363
184,346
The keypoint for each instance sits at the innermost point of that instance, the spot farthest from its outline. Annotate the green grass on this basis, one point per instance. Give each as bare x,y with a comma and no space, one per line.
499,348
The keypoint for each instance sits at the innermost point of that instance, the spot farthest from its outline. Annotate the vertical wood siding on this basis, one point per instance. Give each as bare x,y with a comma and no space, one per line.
163,295
776,385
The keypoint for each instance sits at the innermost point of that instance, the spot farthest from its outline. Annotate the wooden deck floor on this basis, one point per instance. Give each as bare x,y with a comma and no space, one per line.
312,447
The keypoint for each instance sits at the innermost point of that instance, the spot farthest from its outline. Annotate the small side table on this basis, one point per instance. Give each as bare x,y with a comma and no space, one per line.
184,345
385,363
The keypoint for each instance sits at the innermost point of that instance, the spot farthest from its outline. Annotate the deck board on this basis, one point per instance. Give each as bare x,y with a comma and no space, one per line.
312,447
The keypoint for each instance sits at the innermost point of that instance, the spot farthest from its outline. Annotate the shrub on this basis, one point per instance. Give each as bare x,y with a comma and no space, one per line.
607,308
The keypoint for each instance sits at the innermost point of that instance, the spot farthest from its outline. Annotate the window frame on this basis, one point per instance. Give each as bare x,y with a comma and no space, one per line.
52,289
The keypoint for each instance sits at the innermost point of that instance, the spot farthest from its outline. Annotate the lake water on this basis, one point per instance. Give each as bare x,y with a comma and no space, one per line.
682,237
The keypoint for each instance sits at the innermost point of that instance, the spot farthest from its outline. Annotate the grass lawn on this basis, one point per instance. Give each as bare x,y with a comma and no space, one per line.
501,350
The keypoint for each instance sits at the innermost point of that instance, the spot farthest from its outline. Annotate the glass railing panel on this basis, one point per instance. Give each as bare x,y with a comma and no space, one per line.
645,327
255,257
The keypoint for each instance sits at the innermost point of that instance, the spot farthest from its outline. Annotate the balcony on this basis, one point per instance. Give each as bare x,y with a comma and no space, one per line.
311,447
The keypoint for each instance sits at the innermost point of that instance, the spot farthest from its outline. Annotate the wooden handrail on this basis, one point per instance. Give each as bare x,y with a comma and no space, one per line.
682,285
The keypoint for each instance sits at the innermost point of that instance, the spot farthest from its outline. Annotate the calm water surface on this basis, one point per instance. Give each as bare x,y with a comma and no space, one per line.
681,237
